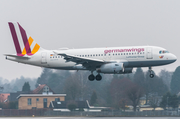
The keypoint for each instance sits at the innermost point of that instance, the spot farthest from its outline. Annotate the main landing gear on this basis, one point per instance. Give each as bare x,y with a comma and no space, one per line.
92,77
151,75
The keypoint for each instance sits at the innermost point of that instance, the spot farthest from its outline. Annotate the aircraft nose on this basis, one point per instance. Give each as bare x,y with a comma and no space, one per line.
173,57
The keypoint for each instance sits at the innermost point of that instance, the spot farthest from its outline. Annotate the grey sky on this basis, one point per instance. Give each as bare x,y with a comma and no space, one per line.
89,23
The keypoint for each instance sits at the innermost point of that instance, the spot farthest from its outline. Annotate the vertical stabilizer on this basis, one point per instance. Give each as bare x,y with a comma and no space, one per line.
24,44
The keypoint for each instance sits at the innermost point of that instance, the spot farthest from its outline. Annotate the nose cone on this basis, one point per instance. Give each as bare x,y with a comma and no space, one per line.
173,57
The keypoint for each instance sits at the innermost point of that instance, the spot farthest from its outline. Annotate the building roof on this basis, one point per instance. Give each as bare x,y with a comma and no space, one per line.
63,104
4,97
39,89
41,95
13,96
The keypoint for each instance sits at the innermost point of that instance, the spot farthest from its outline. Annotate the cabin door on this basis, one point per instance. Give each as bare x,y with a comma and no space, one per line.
149,54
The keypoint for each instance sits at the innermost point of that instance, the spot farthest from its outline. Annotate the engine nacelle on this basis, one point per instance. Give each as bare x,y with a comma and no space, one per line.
111,68
128,70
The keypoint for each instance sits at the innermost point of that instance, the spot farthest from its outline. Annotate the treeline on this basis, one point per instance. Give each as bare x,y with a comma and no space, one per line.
118,90
115,90
16,84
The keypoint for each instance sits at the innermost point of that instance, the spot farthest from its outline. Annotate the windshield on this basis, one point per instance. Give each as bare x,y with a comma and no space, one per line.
163,51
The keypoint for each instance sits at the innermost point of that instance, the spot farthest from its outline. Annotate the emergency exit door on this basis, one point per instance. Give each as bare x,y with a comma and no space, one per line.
43,58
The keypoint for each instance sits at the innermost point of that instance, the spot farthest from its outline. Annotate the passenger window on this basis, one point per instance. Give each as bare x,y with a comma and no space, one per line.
109,54
104,54
126,53
101,54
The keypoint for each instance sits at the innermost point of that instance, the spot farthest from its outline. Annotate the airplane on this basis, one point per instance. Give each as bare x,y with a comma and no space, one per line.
107,60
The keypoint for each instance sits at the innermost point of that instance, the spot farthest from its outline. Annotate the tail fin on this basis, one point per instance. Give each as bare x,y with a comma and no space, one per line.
24,44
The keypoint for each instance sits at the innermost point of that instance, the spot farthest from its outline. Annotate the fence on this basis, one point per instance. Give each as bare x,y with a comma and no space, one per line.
50,112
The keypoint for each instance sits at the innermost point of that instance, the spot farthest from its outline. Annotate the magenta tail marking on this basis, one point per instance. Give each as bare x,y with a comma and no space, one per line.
15,39
25,40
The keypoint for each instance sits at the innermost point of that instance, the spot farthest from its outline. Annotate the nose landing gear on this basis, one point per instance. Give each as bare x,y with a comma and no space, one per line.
151,73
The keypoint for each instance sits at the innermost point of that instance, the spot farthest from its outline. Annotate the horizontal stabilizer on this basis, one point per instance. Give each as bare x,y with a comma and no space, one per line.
15,56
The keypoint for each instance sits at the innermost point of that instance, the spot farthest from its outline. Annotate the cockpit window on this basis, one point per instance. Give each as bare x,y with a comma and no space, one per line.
163,51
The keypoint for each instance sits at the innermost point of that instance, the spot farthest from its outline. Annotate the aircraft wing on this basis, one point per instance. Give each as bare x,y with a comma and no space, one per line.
89,63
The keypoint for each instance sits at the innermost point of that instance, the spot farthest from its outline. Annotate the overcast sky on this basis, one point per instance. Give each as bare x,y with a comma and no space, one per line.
89,23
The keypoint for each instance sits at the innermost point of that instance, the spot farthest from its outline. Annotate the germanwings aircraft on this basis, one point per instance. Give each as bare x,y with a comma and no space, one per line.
109,60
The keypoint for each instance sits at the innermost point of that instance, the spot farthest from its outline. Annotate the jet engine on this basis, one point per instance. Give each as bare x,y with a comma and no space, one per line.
111,68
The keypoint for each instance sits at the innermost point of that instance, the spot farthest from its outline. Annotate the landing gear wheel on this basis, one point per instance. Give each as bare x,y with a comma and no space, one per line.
151,72
151,75
98,77
91,77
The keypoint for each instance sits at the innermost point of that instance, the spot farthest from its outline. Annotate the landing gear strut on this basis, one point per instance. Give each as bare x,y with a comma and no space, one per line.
151,72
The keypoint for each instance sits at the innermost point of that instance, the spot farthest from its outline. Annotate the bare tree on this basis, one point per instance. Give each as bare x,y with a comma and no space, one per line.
122,104
166,77
118,89
72,88
154,101
134,93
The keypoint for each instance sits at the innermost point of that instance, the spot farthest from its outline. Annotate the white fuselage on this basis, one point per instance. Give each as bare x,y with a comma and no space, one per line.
137,56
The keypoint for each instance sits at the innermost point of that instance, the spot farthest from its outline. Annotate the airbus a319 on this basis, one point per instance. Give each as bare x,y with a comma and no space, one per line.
108,60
